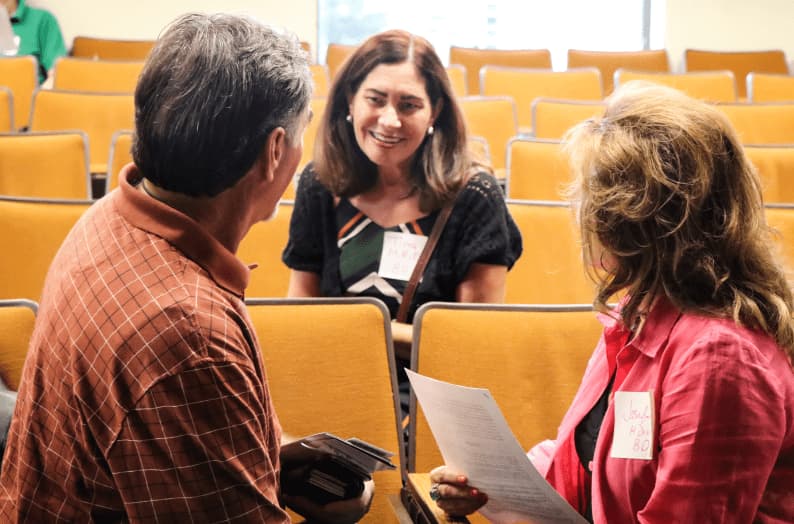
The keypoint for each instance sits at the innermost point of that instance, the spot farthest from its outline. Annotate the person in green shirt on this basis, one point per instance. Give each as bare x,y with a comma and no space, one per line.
38,32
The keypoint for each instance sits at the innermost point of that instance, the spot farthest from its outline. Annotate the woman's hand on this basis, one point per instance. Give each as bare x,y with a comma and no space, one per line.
453,494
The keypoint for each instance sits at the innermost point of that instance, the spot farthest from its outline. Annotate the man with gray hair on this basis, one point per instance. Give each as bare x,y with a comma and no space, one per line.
144,396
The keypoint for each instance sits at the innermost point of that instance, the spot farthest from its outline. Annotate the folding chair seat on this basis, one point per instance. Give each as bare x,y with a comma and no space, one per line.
473,59
712,86
775,166
740,62
610,61
263,246
45,165
17,318
96,76
110,48
31,232
551,117
495,119
768,87
20,75
536,169
550,271
99,115
770,123
330,367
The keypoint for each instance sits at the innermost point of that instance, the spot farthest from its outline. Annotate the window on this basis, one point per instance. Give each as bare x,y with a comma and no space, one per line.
608,25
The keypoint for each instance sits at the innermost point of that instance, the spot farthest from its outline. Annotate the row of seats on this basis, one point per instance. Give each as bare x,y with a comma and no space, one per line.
355,397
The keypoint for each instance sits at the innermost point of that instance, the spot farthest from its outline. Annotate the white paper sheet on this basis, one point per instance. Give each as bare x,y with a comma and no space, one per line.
474,438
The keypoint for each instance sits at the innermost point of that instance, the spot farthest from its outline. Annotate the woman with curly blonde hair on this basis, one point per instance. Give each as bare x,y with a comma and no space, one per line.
686,410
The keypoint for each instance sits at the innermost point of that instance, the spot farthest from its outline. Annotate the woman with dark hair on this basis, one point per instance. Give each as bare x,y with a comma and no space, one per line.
391,154
686,409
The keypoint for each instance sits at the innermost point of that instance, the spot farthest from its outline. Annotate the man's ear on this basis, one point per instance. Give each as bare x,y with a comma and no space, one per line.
274,149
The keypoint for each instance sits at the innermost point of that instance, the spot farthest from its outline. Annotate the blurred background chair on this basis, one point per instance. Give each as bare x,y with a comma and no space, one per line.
119,156
740,62
45,165
263,246
712,86
775,166
335,56
495,119
457,79
17,318
769,87
321,80
6,110
96,76
110,48
770,123
330,367
552,117
20,75
536,169
781,218
610,61
472,59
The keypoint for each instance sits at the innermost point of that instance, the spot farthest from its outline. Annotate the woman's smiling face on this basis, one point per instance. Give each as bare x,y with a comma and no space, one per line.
391,114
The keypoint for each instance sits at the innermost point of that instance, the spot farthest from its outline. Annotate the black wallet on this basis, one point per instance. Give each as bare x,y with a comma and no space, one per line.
325,481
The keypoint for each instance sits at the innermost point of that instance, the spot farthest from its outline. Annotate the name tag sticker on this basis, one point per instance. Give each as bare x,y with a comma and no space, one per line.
634,424
400,253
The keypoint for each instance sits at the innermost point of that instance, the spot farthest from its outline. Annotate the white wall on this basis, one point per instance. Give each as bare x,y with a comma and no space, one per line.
143,19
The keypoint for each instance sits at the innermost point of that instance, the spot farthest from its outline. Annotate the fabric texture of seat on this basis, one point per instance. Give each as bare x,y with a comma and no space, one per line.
110,48
740,62
330,367
536,169
610,61
96,76
712,86
20,75
45,165
473,59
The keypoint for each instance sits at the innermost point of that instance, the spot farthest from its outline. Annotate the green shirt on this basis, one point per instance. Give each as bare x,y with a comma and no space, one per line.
39,35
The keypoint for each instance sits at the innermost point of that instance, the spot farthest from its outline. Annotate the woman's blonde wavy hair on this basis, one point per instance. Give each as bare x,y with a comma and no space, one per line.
663,186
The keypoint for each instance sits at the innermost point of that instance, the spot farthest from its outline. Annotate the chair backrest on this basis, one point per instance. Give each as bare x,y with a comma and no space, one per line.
96,76
17,318
31,231
110,48
713,86
775,166
45,165
769,87
781,218
740,62
610,61
263,246
550,271
119,156
531,358
457,79
525,85
6,110
537,169
551,117
98,114
309,136
338,376
478,147
495,119
335,56
20,75
769,123
320,79
472,59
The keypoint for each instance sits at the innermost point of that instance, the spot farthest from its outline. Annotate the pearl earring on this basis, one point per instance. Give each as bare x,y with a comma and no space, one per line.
430,130
349,118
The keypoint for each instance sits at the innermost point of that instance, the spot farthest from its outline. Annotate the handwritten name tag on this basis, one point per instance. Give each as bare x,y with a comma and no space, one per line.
400,254
634,424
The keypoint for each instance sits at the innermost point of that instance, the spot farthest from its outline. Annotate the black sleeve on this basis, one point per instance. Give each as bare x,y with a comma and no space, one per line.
304,251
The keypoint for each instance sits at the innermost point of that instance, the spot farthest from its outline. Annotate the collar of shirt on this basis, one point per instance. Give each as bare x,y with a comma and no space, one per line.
19,14
182,232
656,329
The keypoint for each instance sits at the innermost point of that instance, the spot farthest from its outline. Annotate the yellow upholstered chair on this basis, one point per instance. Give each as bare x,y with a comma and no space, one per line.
335,56
97,76
320,79
31,231
478,147
551,118
536,169
457,79
17,318
713,86
110,48
309,136
473,59
495,119
6,110
99,115
740,62
525,85
770,123
550,271
330,367
610,61
45,165
781,218
120,155
768,87
530,357
20,75
263,246
775,166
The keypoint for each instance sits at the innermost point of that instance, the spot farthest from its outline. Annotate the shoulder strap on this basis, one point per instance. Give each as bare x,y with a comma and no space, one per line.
424,257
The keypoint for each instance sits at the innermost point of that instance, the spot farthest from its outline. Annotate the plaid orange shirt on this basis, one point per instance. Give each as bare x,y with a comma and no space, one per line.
144,396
